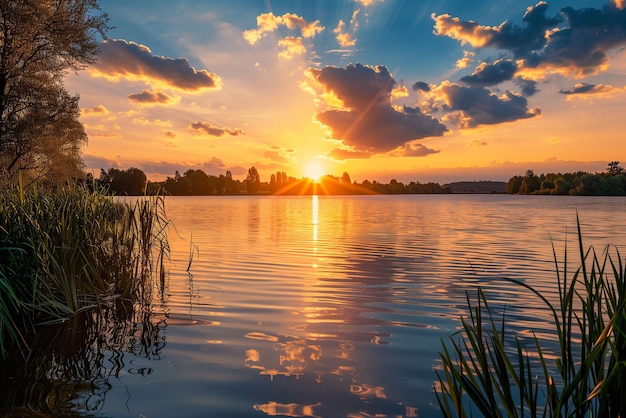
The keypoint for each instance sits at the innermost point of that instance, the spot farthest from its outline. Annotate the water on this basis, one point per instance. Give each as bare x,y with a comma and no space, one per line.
333,306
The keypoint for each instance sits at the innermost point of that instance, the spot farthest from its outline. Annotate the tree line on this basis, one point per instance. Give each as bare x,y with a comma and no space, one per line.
133,182
611,182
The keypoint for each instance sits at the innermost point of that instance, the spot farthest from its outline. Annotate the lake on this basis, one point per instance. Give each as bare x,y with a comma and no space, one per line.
333,306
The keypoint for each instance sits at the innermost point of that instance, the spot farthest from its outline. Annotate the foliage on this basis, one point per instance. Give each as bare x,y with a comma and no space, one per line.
198,183
131,182
253,181
490,371
40,135
610,183
66,251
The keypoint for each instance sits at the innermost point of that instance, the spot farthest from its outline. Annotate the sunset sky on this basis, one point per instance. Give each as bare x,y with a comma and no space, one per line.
428,90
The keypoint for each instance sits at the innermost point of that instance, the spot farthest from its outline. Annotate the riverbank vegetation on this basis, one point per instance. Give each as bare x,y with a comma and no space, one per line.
612,182
69,250
492,371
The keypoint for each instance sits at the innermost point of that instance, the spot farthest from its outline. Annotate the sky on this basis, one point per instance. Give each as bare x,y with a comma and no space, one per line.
428,90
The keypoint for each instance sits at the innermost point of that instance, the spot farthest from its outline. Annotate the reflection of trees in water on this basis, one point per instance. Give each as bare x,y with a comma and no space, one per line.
69,365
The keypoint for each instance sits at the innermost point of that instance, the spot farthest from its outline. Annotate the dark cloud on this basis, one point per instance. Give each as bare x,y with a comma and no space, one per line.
368,122
421,86
121,59
149,97
492,74
206,128
162,168
95,162
575,42
417,150
529,87
473,106
587,89
579,88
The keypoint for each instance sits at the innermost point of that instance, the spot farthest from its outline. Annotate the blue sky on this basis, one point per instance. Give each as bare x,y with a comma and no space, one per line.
413,90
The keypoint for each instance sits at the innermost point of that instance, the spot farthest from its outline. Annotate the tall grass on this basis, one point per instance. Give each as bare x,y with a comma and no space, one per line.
488,371
69,250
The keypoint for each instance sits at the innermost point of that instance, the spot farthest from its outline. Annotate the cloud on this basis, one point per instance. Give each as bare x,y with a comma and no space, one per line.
466,61
147,97
269,22
421,86
529,87
400,91
477,143
121,59
105,135
340,154
156,122
291,47
275,156
491,74
214,165
96,162
171,134
367,3
344,38
472,106
574,43
582,90
205,128
95,111
417,150
366,119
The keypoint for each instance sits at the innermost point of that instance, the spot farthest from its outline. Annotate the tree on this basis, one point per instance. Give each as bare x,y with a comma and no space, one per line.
345,178
514,184
253,181
614,168
40,41
530,183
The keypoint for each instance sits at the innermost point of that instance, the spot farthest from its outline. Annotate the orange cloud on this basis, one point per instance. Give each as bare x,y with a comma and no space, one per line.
466,61
268,22
94,111
206,128
119,59
292,46
147,97
588,91
368,2
343,38
466,32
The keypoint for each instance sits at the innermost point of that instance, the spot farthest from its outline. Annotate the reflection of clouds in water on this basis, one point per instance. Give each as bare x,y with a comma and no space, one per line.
315,362
288,410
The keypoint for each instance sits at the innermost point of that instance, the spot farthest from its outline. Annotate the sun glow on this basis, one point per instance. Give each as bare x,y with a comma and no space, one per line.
314,172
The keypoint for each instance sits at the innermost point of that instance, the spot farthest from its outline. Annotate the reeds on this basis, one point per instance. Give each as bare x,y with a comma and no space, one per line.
489,371
69,250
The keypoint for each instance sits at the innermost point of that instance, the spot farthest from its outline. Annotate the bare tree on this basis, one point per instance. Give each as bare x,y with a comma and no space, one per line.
40,41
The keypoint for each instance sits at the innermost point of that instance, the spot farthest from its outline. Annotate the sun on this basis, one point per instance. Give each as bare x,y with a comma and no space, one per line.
314,172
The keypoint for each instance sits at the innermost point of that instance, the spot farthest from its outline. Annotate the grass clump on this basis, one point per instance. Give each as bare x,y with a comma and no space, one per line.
69,250
489,371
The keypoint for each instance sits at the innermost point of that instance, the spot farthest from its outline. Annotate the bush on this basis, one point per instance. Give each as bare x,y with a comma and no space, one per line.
586,377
